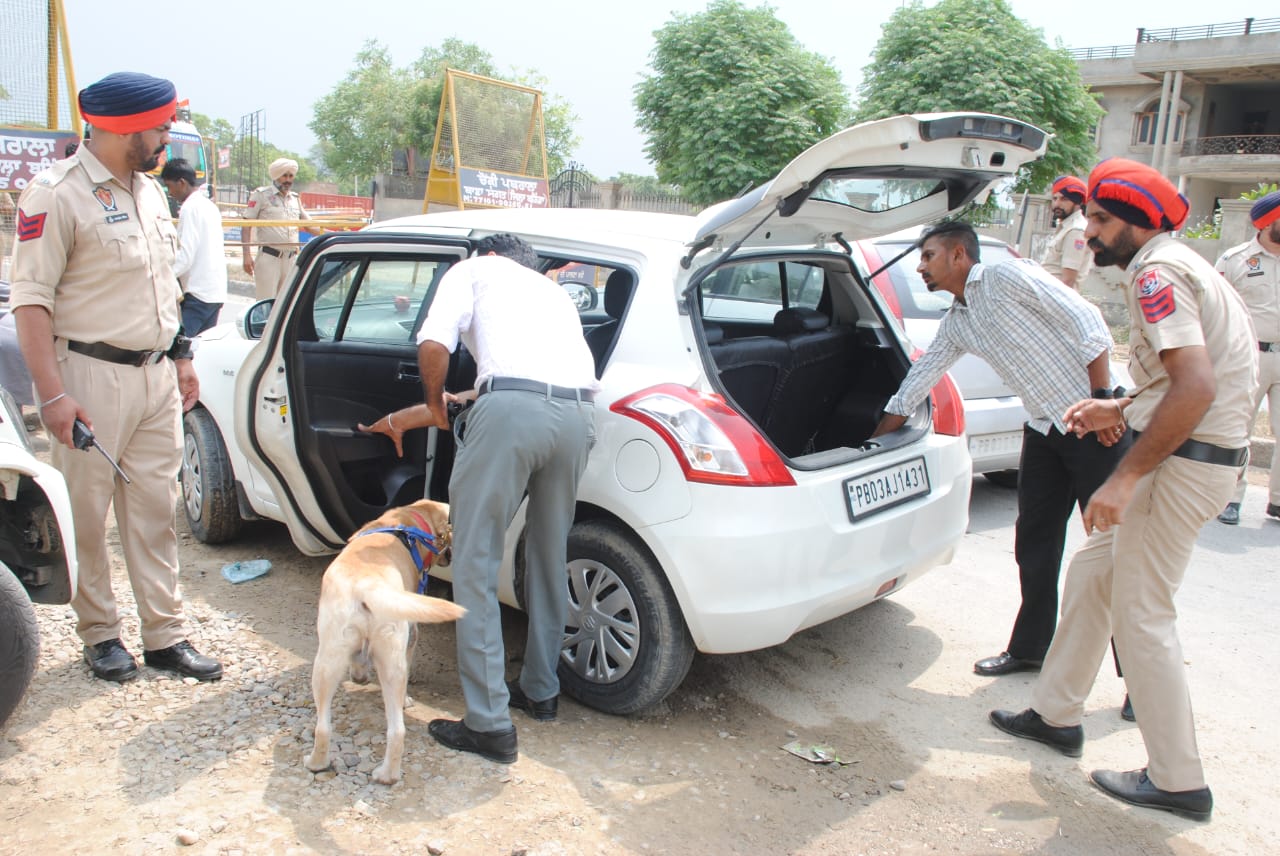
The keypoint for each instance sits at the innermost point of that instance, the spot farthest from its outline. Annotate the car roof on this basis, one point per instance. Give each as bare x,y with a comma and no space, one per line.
586,224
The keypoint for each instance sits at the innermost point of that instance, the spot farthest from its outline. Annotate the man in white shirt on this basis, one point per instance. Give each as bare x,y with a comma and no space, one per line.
201,265
528,432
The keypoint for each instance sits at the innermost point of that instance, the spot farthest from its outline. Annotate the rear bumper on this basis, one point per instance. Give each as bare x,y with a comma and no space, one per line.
751,567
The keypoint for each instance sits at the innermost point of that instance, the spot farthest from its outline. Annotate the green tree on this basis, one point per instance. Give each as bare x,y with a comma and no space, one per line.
976,55
379,108
364,119
732,98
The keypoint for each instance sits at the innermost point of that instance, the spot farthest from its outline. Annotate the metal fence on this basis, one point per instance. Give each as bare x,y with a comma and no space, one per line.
1246,27
1244,144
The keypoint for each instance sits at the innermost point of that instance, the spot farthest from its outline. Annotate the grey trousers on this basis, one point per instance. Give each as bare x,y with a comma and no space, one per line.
509,443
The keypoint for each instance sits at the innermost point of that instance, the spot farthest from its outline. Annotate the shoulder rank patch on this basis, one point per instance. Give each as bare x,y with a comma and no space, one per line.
1155,297
253,203
1079,243
30,226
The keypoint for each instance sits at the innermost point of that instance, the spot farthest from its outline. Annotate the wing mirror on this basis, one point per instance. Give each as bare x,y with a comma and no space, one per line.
255,320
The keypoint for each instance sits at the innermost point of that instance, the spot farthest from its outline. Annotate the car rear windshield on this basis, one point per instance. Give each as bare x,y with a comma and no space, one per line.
915,299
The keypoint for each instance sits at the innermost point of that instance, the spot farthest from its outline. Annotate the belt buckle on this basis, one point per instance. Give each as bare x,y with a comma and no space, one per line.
150,358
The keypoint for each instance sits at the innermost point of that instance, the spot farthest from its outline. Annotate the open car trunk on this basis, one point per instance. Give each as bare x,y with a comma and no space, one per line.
799,347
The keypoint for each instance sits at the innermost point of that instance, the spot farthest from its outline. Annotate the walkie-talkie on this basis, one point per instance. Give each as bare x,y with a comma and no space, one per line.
83,439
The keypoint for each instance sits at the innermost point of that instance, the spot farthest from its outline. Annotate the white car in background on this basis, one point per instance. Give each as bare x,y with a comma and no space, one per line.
733,497
993,413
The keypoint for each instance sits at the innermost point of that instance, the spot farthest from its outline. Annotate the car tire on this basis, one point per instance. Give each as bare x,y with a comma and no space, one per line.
208,484
19,642
1003,478
626,643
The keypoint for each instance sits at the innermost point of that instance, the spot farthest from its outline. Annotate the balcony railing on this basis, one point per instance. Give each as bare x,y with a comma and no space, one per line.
1247,27
1242,144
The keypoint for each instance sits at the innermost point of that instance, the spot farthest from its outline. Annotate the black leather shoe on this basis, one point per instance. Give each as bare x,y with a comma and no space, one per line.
1273,510
1135,788
1126,710
543,711
499,746
184,660
1068,740
110,661
1005,664
1231,514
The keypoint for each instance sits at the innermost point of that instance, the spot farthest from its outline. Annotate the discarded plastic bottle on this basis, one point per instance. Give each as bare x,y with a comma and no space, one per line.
238,572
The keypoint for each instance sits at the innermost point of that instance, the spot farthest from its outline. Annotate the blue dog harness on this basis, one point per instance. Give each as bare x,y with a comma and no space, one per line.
412,537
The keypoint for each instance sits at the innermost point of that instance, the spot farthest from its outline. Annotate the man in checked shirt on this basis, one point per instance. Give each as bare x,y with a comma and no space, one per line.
1052,347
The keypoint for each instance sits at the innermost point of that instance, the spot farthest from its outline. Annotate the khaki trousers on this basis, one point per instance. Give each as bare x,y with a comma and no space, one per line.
1121,584
271,273
1268,386
136,415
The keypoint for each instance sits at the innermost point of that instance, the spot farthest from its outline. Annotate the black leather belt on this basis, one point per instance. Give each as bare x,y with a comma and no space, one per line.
112,354
272,251
523,384
1269,346
1207,453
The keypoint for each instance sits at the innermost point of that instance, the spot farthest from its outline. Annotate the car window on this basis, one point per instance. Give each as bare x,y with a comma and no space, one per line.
913,296
755,291
876,194
384,296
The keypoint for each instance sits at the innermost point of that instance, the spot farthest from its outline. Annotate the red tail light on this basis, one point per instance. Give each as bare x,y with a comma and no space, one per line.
948,404
713,442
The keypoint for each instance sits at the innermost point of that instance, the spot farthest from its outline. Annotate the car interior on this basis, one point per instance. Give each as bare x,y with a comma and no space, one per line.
355,358
788,348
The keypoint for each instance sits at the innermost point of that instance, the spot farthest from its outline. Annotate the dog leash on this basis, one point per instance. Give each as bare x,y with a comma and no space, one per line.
412,537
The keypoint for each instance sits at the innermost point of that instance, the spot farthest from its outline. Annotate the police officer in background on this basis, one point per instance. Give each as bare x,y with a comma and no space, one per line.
96,304
1254,269
1067,257
1194,359
275,201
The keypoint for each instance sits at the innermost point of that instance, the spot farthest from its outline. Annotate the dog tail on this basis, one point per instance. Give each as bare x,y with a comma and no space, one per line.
400,605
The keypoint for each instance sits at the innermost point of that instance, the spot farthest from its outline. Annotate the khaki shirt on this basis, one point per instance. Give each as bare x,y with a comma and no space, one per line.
1176,300
97,255
1067,249
267,203
1255,273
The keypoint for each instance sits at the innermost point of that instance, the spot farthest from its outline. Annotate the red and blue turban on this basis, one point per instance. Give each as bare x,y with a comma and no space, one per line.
128,102
1070,187
1138,194
1266,210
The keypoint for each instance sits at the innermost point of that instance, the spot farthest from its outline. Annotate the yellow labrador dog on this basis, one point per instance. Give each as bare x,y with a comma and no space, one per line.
367,614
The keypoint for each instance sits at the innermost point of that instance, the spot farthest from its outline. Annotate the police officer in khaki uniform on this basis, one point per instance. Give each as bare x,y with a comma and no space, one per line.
1194,359
1254,269
96,304
276,201
1067,257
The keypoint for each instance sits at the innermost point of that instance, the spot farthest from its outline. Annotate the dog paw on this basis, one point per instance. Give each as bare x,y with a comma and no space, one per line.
383,776
318,765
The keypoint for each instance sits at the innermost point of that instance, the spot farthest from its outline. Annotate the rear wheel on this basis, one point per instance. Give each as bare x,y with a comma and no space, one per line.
626,645
19,642
1003,478
208,483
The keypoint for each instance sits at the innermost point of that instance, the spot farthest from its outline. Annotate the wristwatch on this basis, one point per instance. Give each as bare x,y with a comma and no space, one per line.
1103,392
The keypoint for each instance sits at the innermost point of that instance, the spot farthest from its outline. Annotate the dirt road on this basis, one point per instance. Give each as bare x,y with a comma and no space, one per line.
90,767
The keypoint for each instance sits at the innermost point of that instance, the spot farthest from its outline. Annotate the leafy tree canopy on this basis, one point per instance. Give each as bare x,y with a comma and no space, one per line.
378,108
976,55
733,97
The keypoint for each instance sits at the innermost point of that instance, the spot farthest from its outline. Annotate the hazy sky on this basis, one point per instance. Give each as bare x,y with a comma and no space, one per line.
232,57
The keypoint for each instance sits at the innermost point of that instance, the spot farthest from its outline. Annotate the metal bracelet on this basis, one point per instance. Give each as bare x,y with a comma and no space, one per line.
57,397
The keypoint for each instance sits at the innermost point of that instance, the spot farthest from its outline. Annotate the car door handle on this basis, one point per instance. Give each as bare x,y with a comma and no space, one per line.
408,371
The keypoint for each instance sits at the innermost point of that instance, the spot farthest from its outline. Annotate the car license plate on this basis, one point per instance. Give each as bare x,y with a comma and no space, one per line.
988,445
886,488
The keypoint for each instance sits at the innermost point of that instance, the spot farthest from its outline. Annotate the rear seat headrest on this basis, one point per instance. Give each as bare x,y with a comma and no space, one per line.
712,332
799,320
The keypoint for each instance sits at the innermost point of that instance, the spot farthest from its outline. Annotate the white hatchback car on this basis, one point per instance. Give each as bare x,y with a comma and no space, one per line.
733,497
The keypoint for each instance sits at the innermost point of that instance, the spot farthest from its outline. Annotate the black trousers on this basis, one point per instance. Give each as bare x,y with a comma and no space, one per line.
1057,473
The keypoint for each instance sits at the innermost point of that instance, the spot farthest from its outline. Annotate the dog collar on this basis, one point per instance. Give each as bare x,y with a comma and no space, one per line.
412,537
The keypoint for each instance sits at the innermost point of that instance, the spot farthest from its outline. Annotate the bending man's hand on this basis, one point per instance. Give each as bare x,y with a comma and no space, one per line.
1101,415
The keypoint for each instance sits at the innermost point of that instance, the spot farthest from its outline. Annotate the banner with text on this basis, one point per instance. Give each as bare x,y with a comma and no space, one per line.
26,152
501,190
